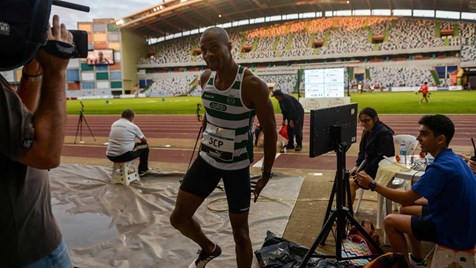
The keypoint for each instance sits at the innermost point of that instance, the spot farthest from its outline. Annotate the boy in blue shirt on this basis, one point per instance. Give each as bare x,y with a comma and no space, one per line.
448,184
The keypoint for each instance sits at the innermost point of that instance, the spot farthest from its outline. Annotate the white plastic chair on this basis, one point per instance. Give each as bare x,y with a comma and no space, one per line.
410,142
359,200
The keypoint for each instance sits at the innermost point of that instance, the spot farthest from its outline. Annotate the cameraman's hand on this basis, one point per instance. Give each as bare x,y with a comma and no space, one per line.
58,33
32,68
50,114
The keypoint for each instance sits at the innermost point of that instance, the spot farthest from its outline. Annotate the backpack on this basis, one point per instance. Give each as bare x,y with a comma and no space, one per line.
370,229
389,260
23,26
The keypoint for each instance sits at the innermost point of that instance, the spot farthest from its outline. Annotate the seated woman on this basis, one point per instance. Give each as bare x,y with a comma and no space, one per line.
376,142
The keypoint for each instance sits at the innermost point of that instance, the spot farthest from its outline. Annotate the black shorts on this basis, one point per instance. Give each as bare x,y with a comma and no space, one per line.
424,229
425,211
202,178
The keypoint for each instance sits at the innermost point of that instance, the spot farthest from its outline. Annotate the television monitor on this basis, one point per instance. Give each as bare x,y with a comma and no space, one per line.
324,137
324,83
101,57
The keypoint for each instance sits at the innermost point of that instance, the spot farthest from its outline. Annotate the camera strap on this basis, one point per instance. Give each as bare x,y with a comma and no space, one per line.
60,49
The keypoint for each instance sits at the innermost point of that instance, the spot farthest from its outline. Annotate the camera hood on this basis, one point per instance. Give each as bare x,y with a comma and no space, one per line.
23,26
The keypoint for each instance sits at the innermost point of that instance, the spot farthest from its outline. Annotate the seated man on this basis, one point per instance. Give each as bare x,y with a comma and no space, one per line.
122,146
448,184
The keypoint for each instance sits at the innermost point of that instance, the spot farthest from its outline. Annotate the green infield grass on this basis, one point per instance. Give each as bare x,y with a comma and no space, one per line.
444,102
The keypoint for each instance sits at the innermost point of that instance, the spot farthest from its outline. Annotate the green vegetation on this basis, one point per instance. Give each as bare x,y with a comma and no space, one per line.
166,105
444,102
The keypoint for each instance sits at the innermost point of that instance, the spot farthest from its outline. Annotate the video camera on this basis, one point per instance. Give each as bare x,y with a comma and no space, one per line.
23,27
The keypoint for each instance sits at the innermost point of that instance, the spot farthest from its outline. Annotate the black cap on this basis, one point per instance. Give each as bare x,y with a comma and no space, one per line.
277,92
23,27
23,31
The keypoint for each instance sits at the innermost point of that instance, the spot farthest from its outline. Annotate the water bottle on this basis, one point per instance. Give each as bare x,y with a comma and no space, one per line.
403,153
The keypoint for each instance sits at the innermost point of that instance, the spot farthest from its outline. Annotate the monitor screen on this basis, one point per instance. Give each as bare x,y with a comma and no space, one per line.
324,83
100,57
323,137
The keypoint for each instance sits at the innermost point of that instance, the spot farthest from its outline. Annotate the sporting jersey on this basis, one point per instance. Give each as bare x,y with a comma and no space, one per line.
424,89
227,141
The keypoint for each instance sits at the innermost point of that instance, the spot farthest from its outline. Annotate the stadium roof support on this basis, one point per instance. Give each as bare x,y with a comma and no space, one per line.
176,16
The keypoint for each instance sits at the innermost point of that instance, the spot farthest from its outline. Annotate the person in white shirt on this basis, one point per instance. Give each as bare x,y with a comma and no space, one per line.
122,146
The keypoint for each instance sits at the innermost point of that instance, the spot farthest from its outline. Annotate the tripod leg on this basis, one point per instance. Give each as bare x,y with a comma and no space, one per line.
328,211
195,147
81,129
322,236
77,127
84,118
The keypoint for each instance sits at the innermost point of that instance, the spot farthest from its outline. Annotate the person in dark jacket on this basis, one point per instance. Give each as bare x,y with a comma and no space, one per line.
376,142
293,113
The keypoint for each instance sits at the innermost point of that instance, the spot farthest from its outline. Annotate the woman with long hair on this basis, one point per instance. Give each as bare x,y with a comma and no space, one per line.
376,142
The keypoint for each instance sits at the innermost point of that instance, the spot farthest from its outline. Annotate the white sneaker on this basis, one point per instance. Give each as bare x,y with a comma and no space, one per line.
204,258
413,264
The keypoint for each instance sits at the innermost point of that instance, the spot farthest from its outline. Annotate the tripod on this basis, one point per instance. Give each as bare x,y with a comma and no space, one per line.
339,214
79,126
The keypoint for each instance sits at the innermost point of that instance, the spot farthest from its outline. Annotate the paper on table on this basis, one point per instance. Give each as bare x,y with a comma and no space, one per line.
385,173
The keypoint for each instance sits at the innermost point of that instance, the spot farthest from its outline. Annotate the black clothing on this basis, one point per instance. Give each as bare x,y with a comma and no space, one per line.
292,109
202,178
141,150
373,146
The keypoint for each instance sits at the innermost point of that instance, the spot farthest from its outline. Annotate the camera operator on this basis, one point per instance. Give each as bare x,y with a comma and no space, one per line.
32,121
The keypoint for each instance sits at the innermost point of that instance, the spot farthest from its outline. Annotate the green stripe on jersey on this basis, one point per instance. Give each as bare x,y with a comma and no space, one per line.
229,100
226,116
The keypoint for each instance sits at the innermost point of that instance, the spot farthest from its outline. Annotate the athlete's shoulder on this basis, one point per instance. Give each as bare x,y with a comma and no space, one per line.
252,80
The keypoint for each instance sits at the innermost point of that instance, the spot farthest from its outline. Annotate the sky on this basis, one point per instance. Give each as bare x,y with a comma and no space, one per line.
100,9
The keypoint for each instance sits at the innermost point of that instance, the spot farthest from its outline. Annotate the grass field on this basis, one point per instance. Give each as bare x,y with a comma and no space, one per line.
444,102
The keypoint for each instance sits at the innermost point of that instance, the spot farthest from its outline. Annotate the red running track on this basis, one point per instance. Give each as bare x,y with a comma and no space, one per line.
186,127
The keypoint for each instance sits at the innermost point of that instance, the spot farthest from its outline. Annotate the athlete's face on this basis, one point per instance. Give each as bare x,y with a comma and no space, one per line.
215,52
